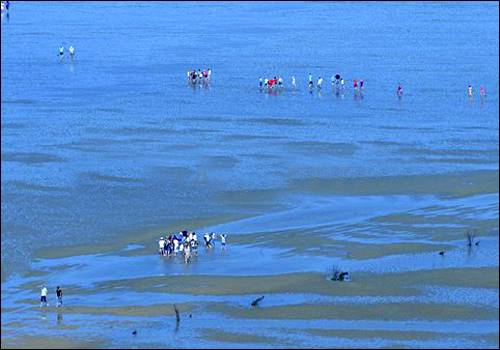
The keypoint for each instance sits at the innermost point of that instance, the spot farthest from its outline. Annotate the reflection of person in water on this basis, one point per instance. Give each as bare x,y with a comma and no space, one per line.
59,318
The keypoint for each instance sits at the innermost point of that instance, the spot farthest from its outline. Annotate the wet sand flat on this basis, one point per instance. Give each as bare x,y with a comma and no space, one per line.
104,153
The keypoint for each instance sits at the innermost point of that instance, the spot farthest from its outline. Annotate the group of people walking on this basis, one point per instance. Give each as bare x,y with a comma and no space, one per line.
482,91
275,82
5,6
338,85
336,80
71,51
186,243
43,297
199,76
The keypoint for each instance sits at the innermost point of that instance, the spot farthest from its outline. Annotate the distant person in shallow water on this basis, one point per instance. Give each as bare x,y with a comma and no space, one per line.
71,51
399,90
59,295
194,244
320,81
161,246
187,252
482,91
43,297
294,85
223,241
469,90
207,239
61,52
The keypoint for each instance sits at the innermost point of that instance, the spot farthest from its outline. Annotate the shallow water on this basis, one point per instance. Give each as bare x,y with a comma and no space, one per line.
103,154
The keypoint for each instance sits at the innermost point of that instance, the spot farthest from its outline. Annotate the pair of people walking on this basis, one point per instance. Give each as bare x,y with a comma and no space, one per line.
43,297
71,51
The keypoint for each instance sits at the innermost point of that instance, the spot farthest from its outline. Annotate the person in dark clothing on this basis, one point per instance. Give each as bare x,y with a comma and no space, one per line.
59,295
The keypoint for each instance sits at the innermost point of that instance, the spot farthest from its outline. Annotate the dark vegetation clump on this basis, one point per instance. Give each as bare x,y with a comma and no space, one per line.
471,236
257,301
177,317
336,274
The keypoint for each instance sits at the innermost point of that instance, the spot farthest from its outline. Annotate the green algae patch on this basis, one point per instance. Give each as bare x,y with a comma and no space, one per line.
276,121
31,158
327,148
397,335
326,245
449,185
370,334
369,251
361,284
41,342
239,337
147,238
350,311
147,311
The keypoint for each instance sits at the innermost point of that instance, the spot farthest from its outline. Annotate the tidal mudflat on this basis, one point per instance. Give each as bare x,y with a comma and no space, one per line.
104,154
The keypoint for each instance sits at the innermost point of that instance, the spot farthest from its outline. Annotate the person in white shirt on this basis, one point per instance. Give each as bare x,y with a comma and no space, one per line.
187,253
293,82
43,297
161,244
176,245
320,81
71,51
223,241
